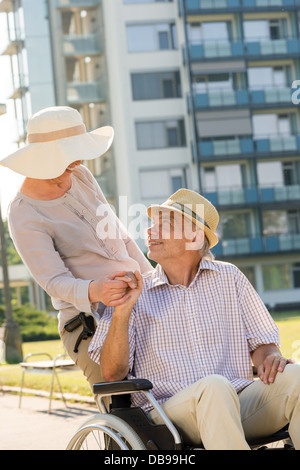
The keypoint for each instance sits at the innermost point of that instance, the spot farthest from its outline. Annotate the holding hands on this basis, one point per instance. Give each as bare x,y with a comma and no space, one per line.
118,289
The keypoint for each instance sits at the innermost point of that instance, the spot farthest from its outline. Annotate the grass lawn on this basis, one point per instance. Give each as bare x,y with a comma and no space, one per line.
74,382
71,382
289,329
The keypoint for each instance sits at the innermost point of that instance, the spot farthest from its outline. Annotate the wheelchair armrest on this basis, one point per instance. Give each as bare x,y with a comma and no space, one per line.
120,387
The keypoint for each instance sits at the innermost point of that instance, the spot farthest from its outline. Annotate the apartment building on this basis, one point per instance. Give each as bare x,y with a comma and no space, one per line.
200,95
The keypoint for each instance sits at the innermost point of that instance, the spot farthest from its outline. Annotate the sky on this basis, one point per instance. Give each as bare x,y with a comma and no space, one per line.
9,180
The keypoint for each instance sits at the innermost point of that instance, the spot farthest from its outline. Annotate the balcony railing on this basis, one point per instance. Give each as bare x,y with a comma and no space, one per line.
248,48
77,3
86,92
257,245
253,195
255,98
194,5
249,145
79,44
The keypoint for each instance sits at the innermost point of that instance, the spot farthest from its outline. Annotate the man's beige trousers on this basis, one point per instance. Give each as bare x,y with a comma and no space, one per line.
210,411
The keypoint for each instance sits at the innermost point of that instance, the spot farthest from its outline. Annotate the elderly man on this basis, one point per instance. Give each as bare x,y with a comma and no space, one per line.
193,327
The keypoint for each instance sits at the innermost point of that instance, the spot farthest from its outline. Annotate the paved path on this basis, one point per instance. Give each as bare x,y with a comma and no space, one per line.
32,428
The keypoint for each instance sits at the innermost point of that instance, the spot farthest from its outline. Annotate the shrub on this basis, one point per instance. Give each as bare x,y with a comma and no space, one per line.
35,325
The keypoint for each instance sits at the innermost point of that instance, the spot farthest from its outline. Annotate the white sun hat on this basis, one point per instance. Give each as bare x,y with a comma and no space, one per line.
57,137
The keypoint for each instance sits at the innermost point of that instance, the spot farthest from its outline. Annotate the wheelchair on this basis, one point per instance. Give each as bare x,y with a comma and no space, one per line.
123,427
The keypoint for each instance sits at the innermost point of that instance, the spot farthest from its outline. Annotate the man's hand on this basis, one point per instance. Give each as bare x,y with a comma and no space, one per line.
114,358
131,297
113,290
269,361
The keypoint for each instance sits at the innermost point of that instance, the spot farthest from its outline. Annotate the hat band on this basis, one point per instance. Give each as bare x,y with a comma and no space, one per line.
191,213
56,135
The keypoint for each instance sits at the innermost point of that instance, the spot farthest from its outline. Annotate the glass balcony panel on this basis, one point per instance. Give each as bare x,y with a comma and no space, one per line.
293,46
287,193
201,100
226,147
275,46
267,194
279,144
82,44
85,92
238,196
222,98
241,246
271,244
206,149
289,242
196,51
76,3
272,95
217,49
236,247
224,197
268,3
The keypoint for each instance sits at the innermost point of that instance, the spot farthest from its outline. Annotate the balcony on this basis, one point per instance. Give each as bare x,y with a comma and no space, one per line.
79,44
20,86
249,147
198,6
257,245
238,98
253,195
90,92
77,3
254,49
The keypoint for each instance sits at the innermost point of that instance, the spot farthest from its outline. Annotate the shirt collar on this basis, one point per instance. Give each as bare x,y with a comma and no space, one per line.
159,277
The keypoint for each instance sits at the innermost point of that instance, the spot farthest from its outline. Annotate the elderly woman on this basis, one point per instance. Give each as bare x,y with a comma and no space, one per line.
53,223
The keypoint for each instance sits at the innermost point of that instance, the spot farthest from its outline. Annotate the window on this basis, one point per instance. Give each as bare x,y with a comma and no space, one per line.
293,222
289,173
277,277
213,82
161,183
266,77
268,125
255,30
160,134
278,173
151,37
281,222
235,225
209,32
224,177
249,273
296,274
159,85
274,223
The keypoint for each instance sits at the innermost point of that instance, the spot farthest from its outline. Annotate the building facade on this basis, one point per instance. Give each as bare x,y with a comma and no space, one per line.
200,93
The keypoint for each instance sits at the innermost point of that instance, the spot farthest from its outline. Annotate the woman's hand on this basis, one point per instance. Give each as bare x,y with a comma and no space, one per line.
113,290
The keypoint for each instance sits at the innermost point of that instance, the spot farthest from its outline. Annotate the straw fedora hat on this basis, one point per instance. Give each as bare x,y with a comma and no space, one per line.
56,137
196,208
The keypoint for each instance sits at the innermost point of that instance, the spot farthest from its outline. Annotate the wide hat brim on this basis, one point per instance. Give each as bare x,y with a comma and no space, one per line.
49,160
210,235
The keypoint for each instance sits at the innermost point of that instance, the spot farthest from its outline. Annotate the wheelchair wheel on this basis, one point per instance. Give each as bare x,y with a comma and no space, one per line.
105,432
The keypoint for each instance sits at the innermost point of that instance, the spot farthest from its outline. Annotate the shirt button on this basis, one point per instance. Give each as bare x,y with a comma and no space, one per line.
83,211
93,220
